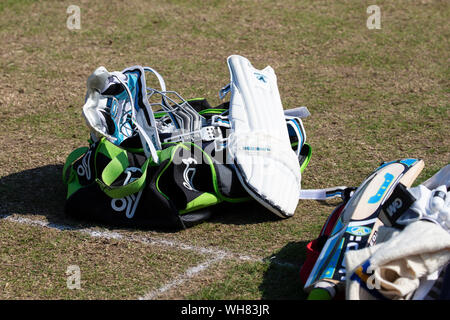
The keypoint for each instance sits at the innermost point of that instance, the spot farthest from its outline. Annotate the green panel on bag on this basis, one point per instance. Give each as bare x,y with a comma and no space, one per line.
202,201
115,168
73,187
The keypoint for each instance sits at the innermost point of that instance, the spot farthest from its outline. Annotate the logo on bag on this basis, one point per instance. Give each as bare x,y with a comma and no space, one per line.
128,203
189,173
83,168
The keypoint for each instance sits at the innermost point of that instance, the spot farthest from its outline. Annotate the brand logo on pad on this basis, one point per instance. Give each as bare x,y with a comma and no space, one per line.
260,77
251,148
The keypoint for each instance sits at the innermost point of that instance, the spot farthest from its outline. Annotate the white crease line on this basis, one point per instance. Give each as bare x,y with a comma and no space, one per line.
218,255
119,236
190,273
61,227
193,271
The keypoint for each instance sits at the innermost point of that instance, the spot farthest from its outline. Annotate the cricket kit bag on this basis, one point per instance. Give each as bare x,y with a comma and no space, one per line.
157,160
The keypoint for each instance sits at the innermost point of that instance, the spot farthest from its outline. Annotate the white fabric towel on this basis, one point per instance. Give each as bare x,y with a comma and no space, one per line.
398,263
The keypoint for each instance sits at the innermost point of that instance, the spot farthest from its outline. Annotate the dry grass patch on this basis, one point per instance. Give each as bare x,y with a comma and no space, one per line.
374,95
33,262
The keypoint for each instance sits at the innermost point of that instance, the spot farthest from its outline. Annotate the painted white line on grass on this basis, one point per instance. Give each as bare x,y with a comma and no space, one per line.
61,227
190,273
217,255
120,236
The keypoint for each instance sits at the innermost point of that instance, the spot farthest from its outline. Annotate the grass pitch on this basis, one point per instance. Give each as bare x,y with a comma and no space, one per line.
374,96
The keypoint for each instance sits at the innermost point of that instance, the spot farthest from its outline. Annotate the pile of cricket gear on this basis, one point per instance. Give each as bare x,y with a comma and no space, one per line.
158,160
388,241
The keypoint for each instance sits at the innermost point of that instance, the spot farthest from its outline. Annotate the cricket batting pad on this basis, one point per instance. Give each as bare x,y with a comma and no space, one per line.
259,145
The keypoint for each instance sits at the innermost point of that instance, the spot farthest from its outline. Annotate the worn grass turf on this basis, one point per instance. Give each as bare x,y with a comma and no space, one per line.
34,261
374,96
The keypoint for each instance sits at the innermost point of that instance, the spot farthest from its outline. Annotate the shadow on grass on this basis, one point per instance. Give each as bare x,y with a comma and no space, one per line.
40,191
250,212
281,280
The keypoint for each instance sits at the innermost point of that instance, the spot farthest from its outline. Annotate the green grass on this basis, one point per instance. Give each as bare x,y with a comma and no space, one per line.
374,96
253,281
33,264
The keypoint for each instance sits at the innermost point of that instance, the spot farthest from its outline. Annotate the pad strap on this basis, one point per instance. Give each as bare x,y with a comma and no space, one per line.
342,192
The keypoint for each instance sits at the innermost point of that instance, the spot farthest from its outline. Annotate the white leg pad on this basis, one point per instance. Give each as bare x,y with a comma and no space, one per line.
259,144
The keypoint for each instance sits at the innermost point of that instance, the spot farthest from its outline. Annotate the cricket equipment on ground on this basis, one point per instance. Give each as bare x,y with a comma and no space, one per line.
118,186
442,177
117,108
410,263
156,159
431,205
393,268
259,144
430,202
360,219
314,247
299,112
